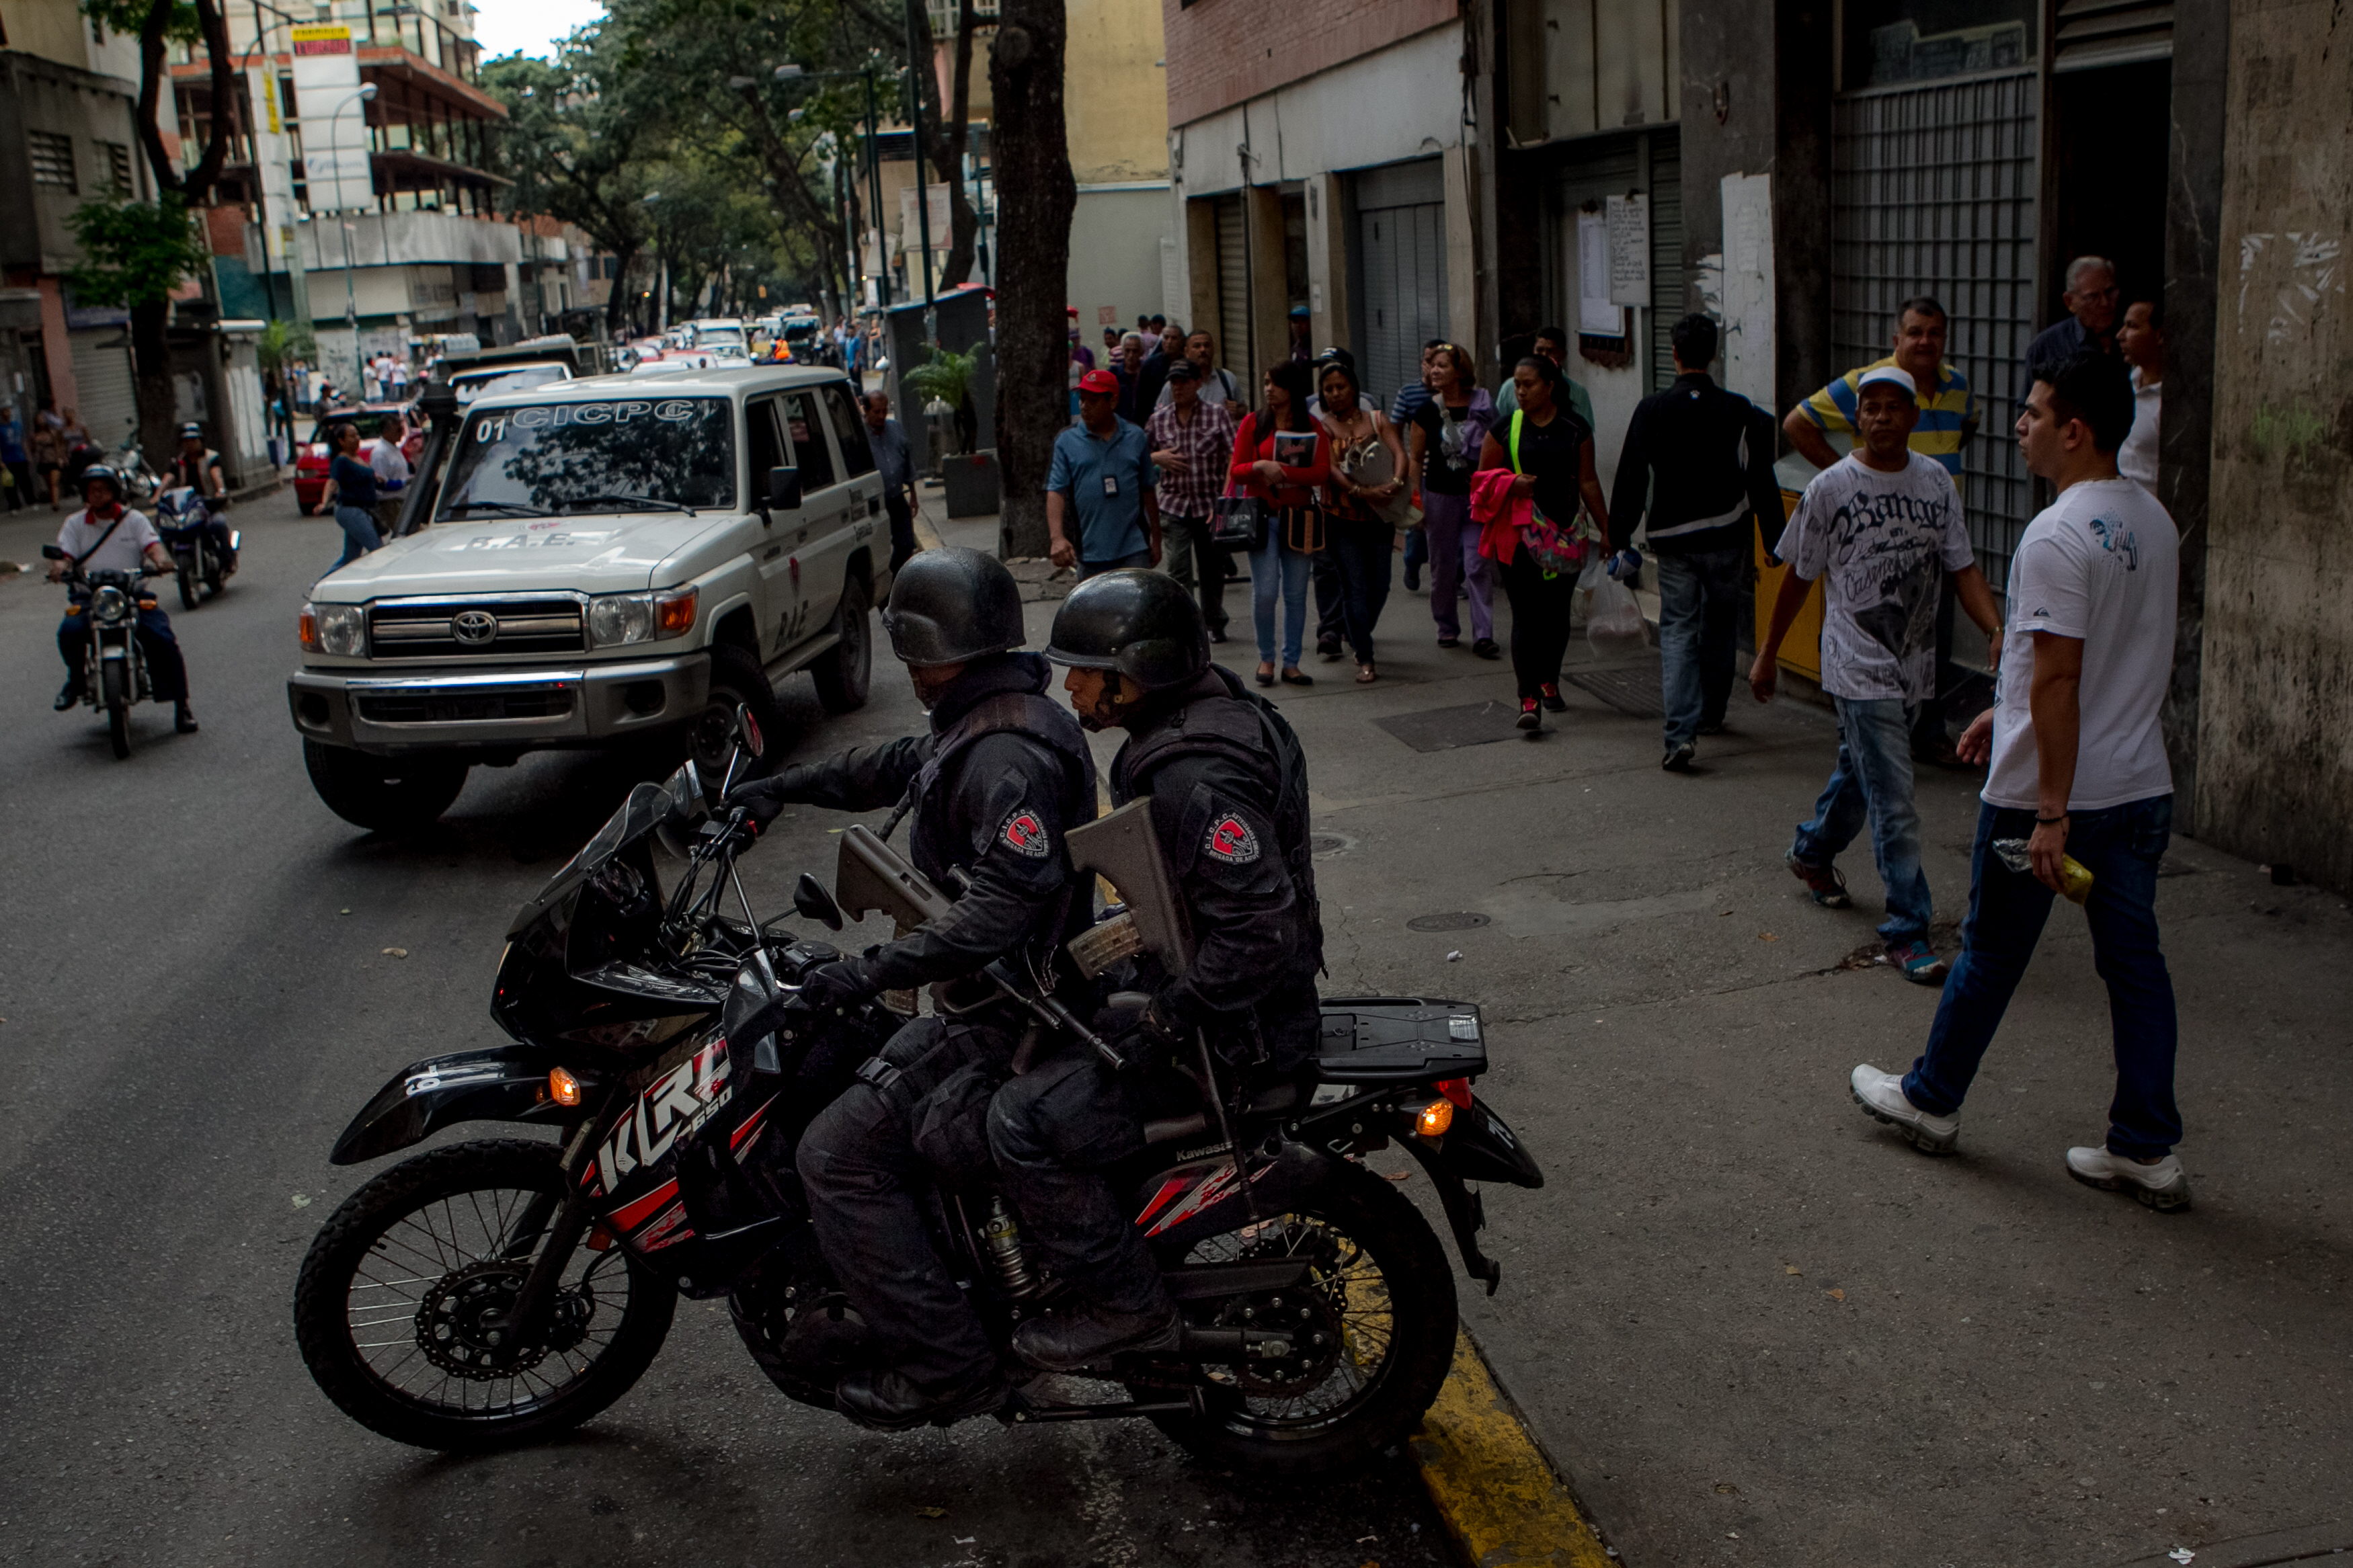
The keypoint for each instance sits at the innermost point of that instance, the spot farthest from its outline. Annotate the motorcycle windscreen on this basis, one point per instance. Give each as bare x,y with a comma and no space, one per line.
676,802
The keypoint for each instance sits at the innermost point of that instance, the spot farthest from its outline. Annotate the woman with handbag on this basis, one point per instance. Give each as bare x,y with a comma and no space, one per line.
1268,466
1361,509
1548,450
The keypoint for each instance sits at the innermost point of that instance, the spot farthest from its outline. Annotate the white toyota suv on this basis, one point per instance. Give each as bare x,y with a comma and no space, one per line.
602,560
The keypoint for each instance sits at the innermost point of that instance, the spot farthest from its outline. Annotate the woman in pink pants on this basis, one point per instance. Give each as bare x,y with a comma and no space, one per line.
1442,448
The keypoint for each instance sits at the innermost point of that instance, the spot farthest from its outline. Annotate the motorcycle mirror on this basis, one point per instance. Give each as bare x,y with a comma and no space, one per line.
51,553
811,901
747,730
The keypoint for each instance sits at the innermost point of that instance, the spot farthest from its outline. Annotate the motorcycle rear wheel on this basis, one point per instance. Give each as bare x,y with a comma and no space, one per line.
387,1308
1383,1279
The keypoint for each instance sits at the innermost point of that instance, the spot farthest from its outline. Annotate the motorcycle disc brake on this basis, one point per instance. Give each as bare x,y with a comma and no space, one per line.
459,1323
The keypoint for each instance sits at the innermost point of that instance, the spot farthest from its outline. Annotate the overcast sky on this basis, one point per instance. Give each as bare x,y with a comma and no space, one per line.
530,27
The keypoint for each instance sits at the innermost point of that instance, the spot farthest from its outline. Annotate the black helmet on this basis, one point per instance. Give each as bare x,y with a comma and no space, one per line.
951,604
1143,624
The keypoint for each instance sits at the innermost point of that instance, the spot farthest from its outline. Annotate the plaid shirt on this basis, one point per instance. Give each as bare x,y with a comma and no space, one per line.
1207,445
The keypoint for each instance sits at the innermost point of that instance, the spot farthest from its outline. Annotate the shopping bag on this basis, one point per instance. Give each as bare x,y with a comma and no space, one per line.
1613,621
1238,521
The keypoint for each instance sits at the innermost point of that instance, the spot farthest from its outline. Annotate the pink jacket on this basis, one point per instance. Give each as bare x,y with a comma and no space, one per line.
1499,514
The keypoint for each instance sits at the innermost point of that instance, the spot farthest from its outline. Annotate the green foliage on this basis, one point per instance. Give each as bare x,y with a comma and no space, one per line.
128,16
946,379
284,344
135,253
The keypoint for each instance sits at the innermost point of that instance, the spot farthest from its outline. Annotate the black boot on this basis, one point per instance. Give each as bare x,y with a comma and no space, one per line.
1065,1341
182,720
891,1401
69,693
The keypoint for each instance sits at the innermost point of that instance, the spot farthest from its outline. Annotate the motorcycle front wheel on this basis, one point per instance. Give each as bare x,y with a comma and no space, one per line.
399,1306
114,693
191,586
1376,1324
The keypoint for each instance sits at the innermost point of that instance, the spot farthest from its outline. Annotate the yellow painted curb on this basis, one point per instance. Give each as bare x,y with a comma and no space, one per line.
1491,1484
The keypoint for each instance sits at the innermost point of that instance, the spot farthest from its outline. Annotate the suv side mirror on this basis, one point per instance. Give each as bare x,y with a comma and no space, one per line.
784,489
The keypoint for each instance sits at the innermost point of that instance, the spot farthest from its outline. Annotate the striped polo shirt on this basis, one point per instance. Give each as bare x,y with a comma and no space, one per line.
1939,433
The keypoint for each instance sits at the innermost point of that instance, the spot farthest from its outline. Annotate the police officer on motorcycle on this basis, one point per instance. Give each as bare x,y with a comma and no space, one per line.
1001,773
199,467
1228,781
107,536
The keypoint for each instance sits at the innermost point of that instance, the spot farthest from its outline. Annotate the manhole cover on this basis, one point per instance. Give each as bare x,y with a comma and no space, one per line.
1325,844
1457,919
1446,729
1633,692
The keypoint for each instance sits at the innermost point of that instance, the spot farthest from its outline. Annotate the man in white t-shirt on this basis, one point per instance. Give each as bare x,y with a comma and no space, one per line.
2078,771
107,536
1879,529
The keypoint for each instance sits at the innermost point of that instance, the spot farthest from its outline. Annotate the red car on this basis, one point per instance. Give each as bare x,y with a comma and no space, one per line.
312,458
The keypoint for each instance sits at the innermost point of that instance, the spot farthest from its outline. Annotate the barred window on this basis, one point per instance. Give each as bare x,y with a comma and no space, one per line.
118,165
53,159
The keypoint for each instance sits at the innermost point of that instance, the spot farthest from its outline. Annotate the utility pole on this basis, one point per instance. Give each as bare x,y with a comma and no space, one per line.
915,126
874,188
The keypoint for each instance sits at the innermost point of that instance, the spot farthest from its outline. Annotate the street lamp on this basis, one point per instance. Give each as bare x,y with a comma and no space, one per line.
365,94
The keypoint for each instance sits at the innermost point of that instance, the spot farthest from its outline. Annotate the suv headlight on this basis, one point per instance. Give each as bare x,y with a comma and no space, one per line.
338,629
616,620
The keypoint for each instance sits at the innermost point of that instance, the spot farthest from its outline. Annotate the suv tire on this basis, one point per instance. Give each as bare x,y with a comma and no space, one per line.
844,671
384,794
735,678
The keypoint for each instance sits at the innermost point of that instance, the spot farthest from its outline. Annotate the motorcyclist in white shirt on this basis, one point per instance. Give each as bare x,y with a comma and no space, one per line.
107,536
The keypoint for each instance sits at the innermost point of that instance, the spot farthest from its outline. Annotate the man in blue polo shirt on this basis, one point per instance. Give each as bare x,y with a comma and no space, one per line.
1102,473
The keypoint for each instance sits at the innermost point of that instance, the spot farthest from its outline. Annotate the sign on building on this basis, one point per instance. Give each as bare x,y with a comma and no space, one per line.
335,118
1628,223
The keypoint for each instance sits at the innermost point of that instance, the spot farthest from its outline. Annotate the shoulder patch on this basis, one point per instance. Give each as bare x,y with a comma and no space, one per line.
1230,839
1023,834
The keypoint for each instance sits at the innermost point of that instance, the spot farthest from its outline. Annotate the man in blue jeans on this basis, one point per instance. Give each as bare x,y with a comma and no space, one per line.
1702,459
2078,771
1881,529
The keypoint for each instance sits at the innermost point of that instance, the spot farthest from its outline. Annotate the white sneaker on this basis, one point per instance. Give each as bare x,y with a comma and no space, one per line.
1882,1097
2164,1185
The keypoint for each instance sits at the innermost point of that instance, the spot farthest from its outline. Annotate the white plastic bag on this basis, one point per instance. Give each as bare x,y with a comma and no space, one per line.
1613,621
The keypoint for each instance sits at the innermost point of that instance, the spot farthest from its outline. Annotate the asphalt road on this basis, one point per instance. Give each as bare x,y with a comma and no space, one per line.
195,995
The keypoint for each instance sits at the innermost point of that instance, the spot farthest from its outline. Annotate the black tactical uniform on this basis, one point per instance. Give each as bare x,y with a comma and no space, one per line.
1003,772
1228,781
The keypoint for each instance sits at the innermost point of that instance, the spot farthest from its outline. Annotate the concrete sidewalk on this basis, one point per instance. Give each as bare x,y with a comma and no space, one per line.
1750,1325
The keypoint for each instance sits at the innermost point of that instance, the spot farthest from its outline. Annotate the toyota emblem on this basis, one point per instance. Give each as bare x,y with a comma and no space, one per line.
475,628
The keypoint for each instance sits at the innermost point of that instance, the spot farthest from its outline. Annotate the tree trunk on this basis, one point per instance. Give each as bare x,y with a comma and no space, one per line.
1035,195
151,372
616,301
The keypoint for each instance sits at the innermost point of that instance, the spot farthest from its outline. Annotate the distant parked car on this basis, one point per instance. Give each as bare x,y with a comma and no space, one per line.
311,460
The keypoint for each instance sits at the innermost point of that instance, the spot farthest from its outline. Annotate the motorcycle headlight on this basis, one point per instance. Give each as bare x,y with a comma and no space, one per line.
616,620
338,629
109,605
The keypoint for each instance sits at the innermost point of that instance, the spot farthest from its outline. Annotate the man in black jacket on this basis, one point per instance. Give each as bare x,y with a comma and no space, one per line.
1704,457
1228,781
1002,773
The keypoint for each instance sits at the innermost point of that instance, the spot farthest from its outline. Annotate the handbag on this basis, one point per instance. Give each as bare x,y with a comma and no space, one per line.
1558,551
1238,521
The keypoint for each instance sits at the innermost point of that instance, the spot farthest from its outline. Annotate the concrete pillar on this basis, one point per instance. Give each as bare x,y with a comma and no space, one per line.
1462,272
1201,265
1270,285
1327,261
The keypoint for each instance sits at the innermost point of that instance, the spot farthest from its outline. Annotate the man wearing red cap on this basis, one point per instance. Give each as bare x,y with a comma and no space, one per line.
1101,512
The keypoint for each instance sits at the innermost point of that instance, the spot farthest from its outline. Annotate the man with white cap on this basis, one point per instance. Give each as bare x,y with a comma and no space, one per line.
1881,528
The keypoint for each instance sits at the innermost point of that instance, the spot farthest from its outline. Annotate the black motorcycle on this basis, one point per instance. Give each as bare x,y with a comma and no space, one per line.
191,526
114,669
496,1292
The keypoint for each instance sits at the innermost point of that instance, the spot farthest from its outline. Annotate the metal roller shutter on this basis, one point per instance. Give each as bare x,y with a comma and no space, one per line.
1933,191
1234,293
1401,272
109,406
2093,33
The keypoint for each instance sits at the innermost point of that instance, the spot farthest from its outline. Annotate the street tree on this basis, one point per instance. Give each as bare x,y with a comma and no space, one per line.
1036,195
143,241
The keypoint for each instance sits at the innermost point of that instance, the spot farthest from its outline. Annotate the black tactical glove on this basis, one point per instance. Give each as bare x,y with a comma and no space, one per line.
1151,1038
766,798
844,982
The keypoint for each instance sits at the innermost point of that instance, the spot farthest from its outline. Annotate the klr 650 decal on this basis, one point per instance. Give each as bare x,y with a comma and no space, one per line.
675,1105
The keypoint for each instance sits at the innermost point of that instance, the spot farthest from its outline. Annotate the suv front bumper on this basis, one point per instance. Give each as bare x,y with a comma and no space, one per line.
524,708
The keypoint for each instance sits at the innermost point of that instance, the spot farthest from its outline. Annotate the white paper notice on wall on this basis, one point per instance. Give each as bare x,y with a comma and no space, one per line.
1596,316
1628,218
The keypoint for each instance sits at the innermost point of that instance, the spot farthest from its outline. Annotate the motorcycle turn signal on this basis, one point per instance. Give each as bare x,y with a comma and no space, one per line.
563,1088
1434,1118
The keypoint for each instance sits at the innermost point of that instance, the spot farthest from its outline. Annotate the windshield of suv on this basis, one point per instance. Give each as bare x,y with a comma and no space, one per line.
571,456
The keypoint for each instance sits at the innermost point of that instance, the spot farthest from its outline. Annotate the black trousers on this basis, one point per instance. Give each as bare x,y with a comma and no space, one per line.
1331,598
20,494
902,527
863,1169
1362,551
1054,1130
167,672
1540,612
